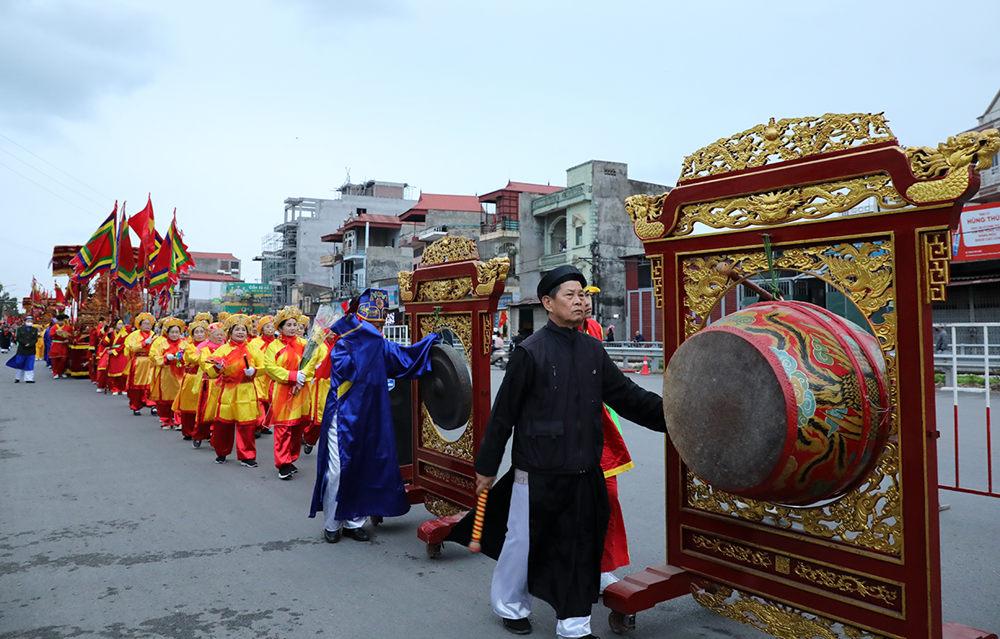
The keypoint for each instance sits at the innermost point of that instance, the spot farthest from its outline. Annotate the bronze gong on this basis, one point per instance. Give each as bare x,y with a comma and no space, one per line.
447,389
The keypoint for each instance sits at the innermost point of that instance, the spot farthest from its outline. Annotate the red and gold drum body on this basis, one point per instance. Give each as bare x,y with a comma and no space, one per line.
782,402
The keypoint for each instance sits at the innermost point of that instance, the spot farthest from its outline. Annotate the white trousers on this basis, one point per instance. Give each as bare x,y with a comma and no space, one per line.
28,376
509,589
333,484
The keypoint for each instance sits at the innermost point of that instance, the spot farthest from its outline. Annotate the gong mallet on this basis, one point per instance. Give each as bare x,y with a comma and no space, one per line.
477,522
727,269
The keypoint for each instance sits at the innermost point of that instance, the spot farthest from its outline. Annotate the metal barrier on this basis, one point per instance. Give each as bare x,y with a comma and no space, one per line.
977,356
632,356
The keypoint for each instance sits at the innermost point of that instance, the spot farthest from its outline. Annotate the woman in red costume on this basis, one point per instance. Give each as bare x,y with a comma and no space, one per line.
140,374
117,359
185,404
290,398
615,459
166,353
62,337
210,392
233,366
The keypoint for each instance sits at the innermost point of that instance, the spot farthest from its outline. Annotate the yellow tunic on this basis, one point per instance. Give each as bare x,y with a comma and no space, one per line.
237,402
190,391
281,363
141,368
40,346
167,375
263,382
321,381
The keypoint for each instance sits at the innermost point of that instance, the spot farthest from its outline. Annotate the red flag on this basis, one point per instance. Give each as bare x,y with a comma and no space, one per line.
142,224
125,271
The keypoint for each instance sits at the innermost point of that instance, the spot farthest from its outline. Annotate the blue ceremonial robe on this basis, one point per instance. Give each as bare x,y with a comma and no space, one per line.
358,404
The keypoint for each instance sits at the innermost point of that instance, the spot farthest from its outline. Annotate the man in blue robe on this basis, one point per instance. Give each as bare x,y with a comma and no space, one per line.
357,470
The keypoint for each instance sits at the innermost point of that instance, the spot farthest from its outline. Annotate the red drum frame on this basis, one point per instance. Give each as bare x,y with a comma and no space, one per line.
867,565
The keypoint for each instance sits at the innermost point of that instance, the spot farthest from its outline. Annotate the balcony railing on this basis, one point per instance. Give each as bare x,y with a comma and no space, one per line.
552,260
500,225
560,199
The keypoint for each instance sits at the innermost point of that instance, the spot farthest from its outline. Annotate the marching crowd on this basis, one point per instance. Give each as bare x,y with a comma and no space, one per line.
228,381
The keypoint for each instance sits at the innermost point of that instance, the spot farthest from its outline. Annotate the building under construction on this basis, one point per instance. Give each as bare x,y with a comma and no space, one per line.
290,256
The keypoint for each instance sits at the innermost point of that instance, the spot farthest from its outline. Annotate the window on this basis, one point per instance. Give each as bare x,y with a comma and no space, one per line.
362,211
645,274
579,235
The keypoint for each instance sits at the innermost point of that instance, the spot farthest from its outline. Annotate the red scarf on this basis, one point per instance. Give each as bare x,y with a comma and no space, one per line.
293,349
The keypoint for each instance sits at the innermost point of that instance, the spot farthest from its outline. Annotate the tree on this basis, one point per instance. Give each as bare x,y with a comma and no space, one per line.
8,303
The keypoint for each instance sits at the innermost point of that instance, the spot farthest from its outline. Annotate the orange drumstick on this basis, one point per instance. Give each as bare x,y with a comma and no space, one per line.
477,523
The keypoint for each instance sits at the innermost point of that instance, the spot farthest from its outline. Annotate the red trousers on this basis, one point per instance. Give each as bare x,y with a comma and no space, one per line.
222,439
201,430
116,384
310,434
287,442
615,543
138,398
93,365
166,412
102,378
58,366
188,426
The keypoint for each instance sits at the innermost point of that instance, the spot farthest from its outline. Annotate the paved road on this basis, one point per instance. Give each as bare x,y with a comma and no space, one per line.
110,527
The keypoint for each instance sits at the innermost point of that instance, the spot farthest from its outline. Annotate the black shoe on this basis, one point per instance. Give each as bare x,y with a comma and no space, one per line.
249,463
17,381
357,534
196,443
137,413
256,435
30,381
293,468
306,448
220,460
188,438
152,411
517,626
266,431
285,472
331,536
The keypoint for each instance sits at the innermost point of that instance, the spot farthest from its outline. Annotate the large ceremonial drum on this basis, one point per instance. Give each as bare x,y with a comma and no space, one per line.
782,402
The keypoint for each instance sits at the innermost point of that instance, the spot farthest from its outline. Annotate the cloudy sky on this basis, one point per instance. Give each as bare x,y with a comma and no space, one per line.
223,109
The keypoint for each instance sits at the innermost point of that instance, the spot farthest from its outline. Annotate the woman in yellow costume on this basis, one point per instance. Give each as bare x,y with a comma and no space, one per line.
265,335
167,354
289,399
140,374
208,399
185,404
237,413
320,389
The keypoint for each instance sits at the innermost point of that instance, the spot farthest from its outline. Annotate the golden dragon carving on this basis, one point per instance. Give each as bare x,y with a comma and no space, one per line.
949,164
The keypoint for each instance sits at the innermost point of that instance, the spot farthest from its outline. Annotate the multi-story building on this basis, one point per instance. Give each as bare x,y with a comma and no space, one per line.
201,288
974,292
291,260
365,253
436,215
500,229
583,224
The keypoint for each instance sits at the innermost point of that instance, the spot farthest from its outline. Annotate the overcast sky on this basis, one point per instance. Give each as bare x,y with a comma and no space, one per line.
223,109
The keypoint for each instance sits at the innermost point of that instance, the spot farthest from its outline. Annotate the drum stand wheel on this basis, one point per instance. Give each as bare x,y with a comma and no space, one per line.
434,549
621,623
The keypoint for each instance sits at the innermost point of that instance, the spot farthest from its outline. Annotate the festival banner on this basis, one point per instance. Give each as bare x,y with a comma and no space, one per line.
978,234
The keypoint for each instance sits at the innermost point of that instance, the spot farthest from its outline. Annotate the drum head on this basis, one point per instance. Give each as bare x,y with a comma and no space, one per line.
725,410
447,389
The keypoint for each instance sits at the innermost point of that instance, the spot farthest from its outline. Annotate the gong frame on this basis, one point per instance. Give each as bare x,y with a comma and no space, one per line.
451,288
780,569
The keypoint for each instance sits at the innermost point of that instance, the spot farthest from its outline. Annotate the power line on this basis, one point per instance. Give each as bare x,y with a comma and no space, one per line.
57,168
49,191
65,186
